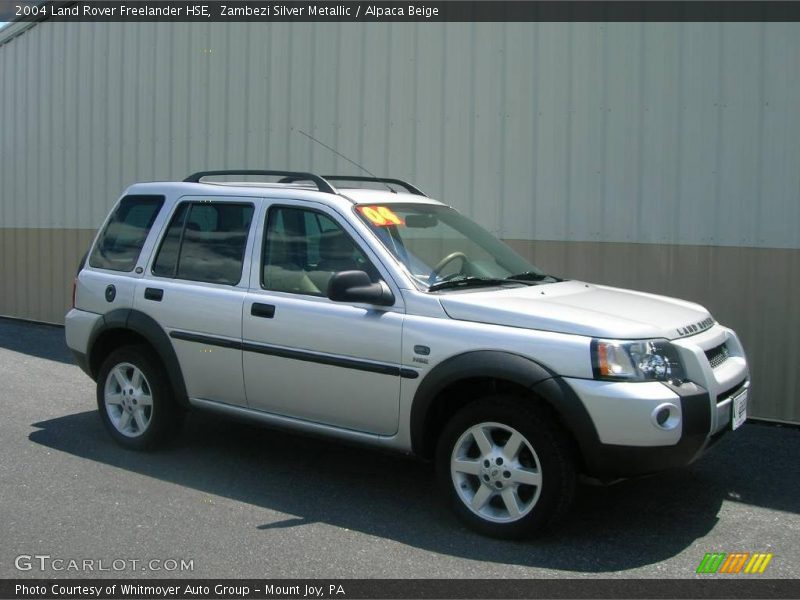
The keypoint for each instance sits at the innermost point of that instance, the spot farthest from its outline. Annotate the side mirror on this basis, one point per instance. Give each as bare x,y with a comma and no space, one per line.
355,286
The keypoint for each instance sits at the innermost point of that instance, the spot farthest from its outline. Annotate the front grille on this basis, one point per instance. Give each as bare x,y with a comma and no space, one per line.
717,355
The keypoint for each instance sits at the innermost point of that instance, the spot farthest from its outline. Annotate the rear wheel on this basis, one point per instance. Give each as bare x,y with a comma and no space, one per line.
134,399
506,467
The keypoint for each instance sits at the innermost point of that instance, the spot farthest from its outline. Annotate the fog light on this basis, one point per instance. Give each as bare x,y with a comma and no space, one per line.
666,416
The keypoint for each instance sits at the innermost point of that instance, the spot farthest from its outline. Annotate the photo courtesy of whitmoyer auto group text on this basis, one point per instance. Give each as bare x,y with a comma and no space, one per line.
399,299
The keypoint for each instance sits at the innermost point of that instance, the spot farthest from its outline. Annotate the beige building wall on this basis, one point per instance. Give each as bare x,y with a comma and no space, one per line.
656,156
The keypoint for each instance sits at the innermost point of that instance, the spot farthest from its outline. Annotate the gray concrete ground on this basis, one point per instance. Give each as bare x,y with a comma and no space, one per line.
240,501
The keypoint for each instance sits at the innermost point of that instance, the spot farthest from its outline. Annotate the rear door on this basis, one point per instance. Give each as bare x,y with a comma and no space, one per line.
195,287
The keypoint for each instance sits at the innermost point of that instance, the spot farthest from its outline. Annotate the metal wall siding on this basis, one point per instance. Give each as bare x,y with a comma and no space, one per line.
457,104
780,148
668,144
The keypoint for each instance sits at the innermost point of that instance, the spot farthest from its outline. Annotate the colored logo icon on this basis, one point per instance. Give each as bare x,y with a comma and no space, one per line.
734,563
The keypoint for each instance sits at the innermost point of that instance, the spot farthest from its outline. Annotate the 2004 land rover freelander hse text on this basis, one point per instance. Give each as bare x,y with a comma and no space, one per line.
385,317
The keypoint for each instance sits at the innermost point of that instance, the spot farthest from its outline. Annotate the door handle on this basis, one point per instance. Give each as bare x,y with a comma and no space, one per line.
153,294
267,311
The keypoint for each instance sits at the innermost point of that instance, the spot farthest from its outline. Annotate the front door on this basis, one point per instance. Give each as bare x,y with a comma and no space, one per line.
306,356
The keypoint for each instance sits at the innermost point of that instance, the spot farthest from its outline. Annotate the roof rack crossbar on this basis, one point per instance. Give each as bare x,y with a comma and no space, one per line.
399,182
288,177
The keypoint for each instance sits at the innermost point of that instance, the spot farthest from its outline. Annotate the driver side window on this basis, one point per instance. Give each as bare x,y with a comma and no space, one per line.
304,248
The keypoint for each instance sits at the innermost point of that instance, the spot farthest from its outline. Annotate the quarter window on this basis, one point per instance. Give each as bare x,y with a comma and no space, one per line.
121,242
205,241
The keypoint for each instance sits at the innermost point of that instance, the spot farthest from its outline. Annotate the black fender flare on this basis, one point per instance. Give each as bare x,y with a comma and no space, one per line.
505,366
148,328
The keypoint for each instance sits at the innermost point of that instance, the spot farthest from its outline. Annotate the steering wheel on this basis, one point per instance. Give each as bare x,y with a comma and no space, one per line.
446,261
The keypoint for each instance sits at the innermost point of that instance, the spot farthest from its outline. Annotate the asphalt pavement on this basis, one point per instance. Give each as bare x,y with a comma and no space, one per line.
241,501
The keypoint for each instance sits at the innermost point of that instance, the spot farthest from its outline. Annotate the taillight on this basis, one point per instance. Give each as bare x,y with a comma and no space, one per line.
74,288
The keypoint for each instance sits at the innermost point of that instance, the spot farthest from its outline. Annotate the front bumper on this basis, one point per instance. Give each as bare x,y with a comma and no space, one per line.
620,436
614,460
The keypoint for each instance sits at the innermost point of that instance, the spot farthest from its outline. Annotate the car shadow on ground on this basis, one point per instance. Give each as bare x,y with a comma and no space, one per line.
35,339
627,525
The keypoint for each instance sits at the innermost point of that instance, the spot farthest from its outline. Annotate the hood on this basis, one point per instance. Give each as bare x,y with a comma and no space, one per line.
581,308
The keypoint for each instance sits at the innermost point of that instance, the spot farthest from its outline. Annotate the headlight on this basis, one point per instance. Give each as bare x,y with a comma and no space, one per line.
643,360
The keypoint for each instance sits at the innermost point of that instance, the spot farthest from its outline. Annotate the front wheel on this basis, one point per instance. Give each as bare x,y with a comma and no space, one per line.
506,467
134,399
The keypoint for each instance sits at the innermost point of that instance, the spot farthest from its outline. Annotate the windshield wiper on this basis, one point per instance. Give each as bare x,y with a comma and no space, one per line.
468,282
533,276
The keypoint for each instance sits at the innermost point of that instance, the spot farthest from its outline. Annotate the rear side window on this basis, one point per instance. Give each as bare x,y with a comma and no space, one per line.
205,241
121,241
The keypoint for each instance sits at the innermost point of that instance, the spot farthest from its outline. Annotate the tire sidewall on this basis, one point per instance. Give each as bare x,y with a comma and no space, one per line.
544,436
162,415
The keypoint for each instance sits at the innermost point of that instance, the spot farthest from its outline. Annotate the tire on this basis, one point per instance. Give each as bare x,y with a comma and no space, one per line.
506,493
135,401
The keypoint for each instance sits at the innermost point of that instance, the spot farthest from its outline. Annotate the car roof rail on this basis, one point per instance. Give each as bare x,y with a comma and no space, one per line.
288,177
384,180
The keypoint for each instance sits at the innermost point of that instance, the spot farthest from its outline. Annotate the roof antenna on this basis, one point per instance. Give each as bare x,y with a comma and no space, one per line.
337,153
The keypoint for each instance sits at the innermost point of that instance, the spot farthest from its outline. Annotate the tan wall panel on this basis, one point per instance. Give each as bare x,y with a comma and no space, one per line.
37,270
8,303
752,290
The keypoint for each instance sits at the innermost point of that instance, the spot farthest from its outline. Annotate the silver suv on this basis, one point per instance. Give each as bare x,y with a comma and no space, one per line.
371,313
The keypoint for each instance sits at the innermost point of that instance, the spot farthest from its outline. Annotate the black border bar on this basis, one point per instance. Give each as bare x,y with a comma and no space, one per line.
713,587
417,10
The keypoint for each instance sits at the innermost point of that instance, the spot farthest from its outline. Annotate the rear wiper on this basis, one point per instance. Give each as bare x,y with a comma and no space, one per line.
533,276
469,281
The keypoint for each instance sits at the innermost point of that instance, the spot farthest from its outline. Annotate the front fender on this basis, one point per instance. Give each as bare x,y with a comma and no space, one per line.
504,366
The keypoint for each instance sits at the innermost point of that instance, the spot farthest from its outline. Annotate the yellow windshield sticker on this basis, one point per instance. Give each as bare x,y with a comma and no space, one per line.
380,215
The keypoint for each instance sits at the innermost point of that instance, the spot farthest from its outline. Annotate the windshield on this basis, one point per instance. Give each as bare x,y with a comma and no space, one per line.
438,244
